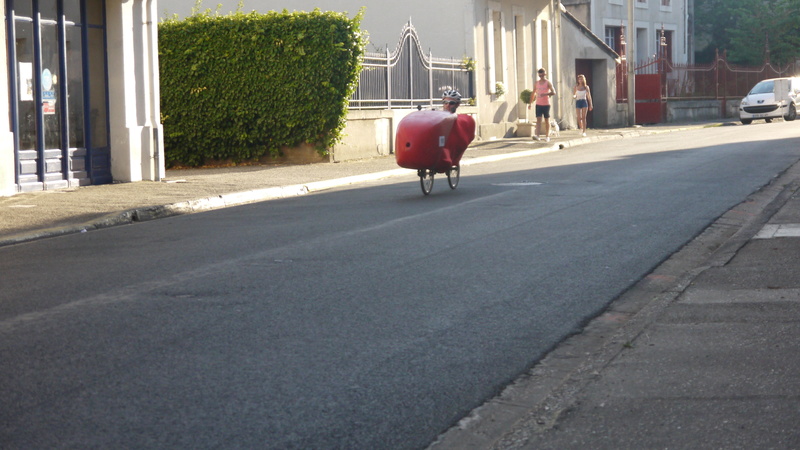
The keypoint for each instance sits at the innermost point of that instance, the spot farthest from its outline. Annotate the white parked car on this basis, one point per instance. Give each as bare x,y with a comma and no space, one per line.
771,99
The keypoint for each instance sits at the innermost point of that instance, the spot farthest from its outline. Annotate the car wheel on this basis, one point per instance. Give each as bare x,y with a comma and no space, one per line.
747,121
792,114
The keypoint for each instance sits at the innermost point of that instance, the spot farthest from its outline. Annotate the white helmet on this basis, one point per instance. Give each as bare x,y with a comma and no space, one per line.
452,94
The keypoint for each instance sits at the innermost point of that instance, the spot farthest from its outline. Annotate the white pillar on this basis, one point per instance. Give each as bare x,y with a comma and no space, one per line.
133,90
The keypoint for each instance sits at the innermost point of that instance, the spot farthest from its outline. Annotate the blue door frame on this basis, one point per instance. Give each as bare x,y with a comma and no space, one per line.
88,161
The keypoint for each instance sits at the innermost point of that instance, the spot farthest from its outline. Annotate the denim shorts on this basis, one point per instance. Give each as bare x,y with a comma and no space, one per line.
582,103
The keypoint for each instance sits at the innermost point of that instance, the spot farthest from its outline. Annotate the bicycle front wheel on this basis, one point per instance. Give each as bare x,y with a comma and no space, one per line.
453,176
426,181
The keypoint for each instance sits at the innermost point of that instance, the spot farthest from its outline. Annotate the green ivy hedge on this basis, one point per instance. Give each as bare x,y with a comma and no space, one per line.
242,86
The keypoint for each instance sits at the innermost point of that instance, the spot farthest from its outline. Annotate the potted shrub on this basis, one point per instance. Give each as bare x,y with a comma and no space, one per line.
525,128
526,96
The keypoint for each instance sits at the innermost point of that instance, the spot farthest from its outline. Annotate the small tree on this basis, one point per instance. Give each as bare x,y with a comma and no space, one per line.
526,96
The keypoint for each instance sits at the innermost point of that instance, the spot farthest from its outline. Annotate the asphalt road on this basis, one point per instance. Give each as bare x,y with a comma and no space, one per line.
368,317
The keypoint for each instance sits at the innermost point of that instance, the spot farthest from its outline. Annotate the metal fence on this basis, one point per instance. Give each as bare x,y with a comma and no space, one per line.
717,80
720,79
407,78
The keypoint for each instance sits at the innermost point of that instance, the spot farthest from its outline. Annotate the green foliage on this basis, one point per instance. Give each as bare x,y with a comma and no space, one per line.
526,96
762,23
468,63
499,88
713,20
242,86
744,27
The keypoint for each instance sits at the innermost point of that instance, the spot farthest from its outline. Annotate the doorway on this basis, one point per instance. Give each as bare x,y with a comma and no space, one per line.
584,67
59,93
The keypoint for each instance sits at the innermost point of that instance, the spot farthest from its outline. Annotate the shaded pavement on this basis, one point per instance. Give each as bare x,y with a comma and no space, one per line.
702,353
35,215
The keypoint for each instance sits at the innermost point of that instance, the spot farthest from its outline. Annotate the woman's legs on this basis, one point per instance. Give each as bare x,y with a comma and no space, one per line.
582,119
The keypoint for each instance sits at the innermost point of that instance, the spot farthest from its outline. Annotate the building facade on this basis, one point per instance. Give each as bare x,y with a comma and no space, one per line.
82,94
585,53
663,27
507,40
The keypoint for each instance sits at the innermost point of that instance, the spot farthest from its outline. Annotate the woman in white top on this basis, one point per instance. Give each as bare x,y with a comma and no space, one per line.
583,102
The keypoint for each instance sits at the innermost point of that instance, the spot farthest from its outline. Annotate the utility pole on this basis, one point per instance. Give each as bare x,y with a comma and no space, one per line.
630,55
555,10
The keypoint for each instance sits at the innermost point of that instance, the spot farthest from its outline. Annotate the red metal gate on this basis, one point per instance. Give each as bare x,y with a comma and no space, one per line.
649,104
649,93
656,80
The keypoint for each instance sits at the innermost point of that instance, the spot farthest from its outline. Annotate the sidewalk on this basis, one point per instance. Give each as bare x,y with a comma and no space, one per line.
702,353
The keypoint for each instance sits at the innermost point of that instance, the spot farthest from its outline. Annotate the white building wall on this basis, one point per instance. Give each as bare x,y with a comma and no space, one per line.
450,29
134,106
524,43
577,46
649,16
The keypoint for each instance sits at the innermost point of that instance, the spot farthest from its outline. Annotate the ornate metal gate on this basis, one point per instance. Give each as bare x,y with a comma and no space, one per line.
407,77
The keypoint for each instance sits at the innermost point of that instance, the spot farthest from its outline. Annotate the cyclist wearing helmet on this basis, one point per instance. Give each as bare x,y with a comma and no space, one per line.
452,100
434,141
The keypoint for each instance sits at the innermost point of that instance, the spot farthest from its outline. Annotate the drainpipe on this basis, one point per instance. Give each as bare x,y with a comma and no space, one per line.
631,57
151,27
555,10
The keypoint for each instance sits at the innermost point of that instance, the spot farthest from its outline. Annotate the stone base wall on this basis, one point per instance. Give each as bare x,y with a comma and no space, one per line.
688,110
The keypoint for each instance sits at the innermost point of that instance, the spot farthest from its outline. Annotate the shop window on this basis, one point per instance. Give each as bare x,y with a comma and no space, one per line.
48,9
97,94
59,106
26,106
50,81
75,97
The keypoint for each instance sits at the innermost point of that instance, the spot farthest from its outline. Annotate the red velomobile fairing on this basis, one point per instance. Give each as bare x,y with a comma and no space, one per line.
433,142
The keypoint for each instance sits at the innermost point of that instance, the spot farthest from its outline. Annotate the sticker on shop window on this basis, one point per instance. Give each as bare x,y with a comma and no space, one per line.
25,82
47,80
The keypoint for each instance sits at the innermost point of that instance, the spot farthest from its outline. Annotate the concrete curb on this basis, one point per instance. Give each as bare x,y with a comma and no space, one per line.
199,205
